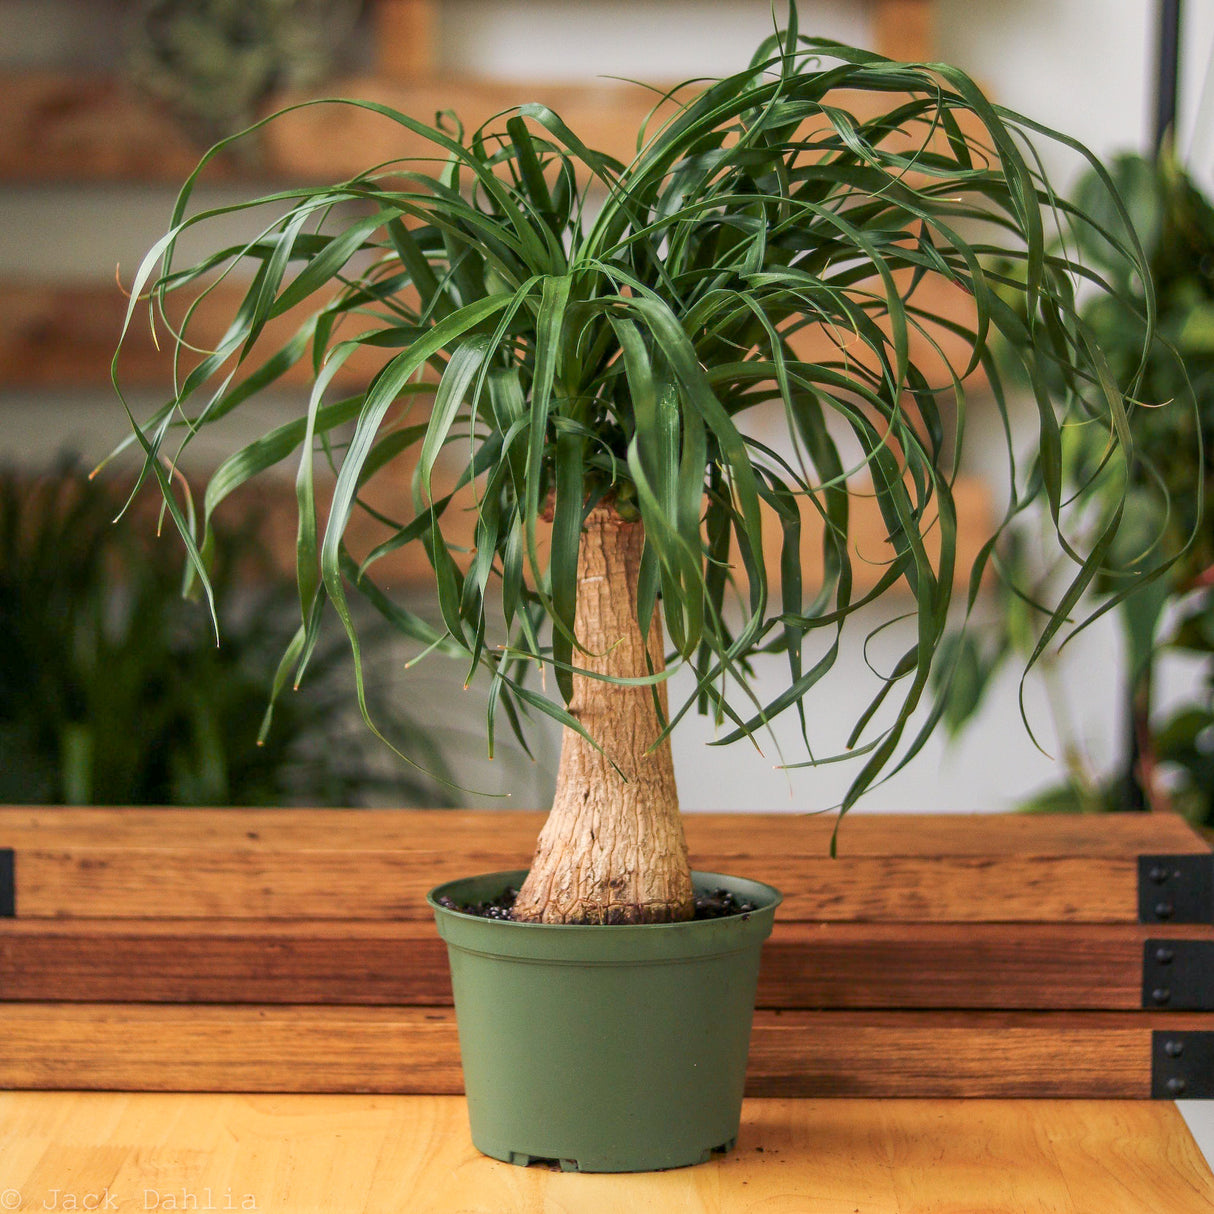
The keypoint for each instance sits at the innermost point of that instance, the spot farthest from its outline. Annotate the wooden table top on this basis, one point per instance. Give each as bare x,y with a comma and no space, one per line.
293,1154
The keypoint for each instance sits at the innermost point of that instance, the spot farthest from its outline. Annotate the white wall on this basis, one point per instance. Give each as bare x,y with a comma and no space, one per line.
1083,65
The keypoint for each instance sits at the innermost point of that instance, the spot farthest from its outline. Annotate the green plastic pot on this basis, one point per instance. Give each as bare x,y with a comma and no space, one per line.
606,1049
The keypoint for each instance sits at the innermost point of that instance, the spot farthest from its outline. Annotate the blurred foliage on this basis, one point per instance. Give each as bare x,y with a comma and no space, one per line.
1168,500
113,691
214,62
1172,486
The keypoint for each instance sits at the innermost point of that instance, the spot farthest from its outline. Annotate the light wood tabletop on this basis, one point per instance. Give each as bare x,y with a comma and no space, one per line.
292,1154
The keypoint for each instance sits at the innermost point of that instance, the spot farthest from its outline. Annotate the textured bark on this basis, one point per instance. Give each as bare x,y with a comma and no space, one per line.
612,849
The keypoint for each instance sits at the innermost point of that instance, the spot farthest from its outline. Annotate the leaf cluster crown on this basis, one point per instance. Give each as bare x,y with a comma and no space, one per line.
573,329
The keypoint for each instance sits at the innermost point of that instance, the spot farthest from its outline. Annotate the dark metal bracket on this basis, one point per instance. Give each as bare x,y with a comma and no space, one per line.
1176,889
1178,975
8,883
1182,1066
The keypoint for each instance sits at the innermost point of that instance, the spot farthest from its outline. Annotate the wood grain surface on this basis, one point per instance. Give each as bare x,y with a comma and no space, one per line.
347,1155
63,334
89,126
81,126
270,506
180,882
350,1154
291,950
727,835
370,865
175,1047
805,965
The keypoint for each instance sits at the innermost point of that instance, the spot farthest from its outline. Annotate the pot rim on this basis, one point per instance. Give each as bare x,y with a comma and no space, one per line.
598,943
701,880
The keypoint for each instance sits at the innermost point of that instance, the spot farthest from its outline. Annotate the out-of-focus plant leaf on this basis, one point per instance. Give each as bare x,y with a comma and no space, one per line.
1170,487
213,62
113,692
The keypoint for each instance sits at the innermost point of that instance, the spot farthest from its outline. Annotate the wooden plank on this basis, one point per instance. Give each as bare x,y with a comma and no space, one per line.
347,875
988,1055
905,29
725,834
58,126
822,965
173,1047
134,1047
100,882
270,504
63,335
943,965
406,32
344,1156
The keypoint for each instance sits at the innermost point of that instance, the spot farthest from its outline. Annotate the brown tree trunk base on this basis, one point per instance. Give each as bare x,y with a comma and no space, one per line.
612,849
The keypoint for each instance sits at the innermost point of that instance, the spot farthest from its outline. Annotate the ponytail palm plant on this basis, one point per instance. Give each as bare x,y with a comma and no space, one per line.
587,339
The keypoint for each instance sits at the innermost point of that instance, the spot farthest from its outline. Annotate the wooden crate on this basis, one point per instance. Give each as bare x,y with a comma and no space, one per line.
282,950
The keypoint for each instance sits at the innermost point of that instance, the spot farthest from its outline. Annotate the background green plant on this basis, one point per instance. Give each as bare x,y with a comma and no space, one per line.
593,330
113,692
214,62
1168,499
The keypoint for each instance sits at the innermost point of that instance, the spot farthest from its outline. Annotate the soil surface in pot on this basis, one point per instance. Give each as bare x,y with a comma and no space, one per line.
710,904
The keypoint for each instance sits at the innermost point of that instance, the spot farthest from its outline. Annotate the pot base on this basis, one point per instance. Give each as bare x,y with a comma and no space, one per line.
604,1049
599,1165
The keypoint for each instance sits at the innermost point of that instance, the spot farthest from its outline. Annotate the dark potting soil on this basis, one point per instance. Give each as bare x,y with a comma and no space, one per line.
711,904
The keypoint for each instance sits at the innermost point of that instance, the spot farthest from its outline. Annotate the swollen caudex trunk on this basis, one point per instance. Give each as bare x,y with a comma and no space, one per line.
612,849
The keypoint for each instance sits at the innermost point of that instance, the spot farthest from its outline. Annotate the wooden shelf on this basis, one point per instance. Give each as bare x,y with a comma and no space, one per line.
63,335
406,33
72,126
56,127
61,126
